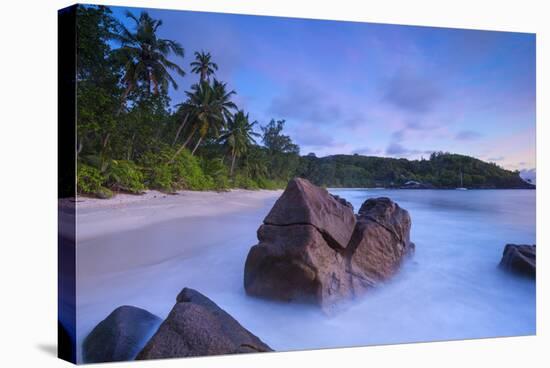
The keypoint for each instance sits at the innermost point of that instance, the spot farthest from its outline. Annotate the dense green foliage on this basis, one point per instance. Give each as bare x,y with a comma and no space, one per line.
130,139
442,170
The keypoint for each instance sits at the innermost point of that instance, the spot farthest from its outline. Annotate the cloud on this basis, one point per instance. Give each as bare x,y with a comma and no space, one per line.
308,134
366,151
411,93
398,135
303,101
396,149
411,126
467,135
357,119
495,159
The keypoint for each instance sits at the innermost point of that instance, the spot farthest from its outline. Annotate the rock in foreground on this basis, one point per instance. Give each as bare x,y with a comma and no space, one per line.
196,326
520,259
313,249
120,336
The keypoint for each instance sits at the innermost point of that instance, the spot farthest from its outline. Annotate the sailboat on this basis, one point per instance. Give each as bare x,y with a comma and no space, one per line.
461,183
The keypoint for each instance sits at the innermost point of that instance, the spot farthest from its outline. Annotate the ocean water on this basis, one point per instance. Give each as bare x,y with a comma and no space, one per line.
450,289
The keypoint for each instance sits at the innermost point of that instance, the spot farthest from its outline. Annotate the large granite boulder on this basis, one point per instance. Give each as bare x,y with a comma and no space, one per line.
296,259
521,259
120,336
295,263
379,243
196,326
304,203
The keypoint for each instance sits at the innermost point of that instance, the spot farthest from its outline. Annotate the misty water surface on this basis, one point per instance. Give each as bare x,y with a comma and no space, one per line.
451,288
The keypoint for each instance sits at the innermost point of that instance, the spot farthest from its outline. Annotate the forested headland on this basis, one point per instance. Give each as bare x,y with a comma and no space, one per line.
440,171
131,136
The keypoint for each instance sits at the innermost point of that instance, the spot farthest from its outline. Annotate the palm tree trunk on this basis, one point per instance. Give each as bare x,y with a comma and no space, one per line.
232,163
149,77
104,144
183,145
155,85
196,146
124,97
131,147
180,128
106,140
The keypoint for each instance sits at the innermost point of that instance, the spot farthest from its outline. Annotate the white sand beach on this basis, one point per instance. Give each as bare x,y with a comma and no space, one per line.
99,217
142,250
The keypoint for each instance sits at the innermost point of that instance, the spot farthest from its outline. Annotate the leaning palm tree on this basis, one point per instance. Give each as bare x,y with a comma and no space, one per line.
145,56
203,65
183,113
207,109
238,136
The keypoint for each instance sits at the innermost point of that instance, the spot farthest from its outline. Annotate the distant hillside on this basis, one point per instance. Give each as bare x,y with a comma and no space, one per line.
529,175
441,170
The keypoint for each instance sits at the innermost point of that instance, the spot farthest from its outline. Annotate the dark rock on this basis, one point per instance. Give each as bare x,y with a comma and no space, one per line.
304,203
295,263
342,200
386,213
120,336
520,259
196,326
299,262
379,243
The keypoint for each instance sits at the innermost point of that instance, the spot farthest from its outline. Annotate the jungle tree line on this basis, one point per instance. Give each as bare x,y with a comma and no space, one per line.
130,139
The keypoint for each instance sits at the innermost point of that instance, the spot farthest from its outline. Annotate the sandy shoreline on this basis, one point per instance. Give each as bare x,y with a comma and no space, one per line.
99,217
142,250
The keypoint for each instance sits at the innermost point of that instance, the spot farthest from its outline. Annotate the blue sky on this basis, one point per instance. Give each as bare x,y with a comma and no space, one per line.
371,89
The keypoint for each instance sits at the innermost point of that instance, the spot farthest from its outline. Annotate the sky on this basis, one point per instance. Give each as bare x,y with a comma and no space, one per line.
371,89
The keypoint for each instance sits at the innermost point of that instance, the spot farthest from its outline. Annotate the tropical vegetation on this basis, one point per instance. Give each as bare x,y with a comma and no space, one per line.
441,170
131,136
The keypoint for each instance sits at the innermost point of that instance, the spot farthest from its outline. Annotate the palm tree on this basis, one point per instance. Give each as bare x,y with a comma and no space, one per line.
203,65
256,162
207,108
183,113
145,56
238,136
223,98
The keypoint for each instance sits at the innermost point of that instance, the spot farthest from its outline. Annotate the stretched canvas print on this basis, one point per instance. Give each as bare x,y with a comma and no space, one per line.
246,184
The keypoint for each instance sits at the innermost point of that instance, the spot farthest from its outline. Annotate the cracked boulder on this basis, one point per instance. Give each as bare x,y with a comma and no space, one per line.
303,203
295,263
313,249
196,326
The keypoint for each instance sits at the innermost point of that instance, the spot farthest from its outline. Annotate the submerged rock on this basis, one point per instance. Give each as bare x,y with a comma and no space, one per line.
120,336
520,259
196,326
297,260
